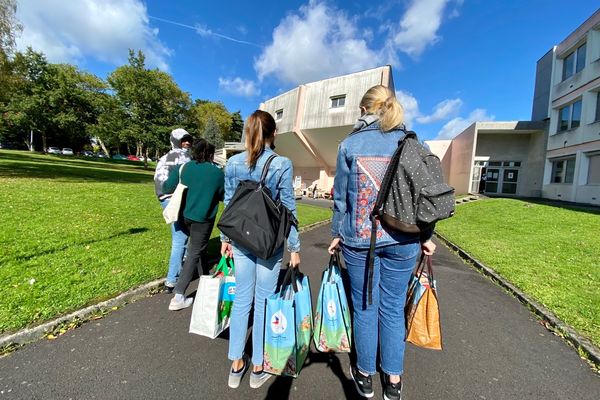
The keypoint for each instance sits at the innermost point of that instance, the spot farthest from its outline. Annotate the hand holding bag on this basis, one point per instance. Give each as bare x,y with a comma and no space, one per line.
332,317
173,210
214,299
422,314
288,326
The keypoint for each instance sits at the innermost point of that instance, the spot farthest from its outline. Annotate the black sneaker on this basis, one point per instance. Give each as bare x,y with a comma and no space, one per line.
392,391
364,384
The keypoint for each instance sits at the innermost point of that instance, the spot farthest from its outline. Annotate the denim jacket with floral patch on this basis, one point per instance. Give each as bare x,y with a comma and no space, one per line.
279,180
362,160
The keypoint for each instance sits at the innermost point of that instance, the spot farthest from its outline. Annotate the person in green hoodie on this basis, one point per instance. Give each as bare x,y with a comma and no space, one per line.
205,189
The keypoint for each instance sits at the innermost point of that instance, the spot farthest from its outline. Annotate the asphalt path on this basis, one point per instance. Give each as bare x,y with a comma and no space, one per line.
494,348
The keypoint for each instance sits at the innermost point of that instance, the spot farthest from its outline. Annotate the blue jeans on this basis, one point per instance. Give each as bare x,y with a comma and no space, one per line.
255,279
392,270
179,238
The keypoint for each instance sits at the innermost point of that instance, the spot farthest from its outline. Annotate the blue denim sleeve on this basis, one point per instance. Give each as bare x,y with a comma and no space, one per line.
230,186
286,195
340,189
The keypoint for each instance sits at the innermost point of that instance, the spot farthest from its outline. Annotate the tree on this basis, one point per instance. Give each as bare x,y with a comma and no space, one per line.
56,100
27,109
150,105
9,26
212,134
237,127
203,110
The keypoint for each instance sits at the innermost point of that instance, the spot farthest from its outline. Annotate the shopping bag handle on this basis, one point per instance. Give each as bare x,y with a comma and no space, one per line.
334,260
225,266
425,262
290,277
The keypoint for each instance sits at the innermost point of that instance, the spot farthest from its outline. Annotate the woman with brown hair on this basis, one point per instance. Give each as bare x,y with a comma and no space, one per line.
256,278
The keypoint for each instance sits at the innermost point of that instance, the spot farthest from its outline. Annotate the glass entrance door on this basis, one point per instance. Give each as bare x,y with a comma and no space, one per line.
492,180
509,181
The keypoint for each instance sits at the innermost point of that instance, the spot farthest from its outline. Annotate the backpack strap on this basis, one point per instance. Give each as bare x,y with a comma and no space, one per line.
384,189
265,170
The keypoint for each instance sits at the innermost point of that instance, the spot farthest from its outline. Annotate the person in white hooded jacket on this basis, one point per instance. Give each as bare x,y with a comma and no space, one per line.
181,141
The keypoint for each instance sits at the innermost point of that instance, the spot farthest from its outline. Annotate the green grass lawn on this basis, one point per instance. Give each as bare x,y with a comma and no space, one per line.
77,231
551,253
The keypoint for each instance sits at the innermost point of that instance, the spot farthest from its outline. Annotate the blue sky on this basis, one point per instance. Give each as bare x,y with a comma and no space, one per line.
454,61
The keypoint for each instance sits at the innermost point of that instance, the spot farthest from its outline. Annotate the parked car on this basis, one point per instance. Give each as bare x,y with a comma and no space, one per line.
101,154
131,157
53,150
119,157
87,153
66,151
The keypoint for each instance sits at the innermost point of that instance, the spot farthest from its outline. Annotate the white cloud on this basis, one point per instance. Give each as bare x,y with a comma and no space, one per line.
443,110
321,40
459,124
410,105
239,87
419,26
318,42
68,31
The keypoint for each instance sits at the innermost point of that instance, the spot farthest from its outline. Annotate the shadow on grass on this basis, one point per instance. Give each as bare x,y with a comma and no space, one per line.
74,172
131,231
26,156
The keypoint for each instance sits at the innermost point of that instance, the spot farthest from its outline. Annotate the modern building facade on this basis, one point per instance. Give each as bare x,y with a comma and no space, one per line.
495,158
567,94
312,119
556,155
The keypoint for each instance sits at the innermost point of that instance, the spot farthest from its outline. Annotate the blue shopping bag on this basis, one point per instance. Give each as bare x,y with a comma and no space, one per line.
333,332
288,326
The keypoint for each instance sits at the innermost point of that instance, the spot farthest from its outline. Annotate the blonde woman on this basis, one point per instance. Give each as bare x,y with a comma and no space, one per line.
362,160
256,278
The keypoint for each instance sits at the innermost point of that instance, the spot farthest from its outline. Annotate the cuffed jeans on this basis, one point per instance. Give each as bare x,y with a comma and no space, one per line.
382,322
255,279
196,255
179,238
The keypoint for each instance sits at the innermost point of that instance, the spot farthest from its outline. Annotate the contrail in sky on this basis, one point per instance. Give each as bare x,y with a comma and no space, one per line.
202,31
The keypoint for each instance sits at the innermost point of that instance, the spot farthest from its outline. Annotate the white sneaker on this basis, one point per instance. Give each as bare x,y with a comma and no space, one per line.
176,305
236,377
258,379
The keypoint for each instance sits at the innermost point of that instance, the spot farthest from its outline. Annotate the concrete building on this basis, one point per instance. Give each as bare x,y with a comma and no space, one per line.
556,155
312,119
495,158
567,94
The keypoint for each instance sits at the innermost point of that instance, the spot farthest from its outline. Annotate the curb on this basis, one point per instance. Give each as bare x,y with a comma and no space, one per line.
29,335
37,332
578,341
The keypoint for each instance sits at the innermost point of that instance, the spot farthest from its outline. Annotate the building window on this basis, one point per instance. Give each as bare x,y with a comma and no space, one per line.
569,116
338,101
597,107
574,62
594,170
563,170
278,114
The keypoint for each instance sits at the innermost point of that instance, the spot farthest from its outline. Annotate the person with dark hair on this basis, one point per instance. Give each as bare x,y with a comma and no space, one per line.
205,188
363,157
181,141
256,278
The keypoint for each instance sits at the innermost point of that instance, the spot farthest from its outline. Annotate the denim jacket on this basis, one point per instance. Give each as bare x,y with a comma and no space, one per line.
279,181
363,157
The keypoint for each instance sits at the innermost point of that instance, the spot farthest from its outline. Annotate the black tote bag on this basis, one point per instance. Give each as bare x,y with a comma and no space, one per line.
254,220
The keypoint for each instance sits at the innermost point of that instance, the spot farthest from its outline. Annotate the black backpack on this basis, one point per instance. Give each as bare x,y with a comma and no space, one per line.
254,220
412,196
